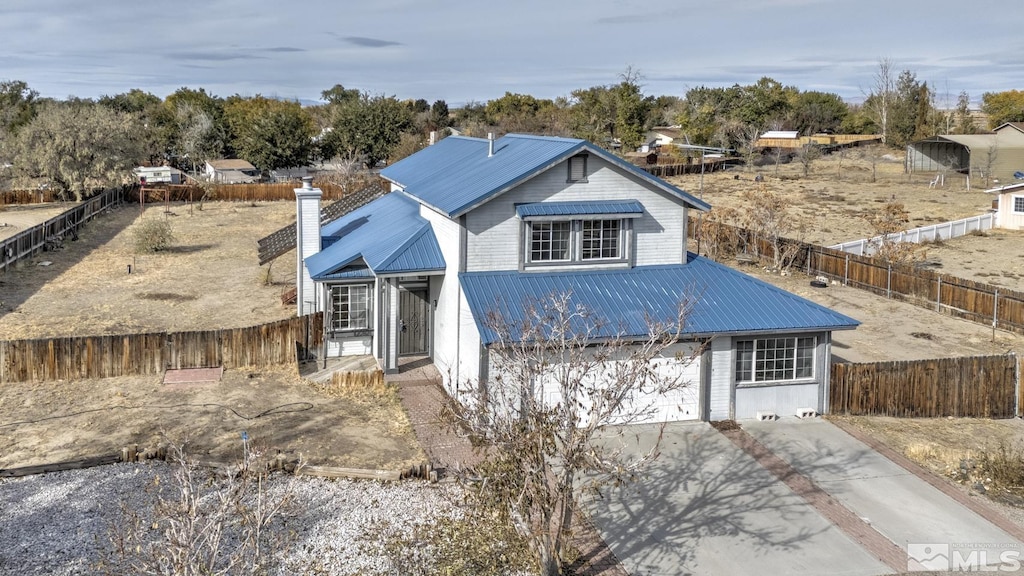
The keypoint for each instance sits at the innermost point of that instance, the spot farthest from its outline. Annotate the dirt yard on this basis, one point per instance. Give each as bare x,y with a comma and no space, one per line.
18,218
996,258
55,421
831,203
893,330
209,278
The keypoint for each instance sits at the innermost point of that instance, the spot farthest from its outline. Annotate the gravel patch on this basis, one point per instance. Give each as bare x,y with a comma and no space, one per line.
59,523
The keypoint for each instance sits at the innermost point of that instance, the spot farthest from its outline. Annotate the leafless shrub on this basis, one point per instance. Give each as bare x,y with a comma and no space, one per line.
203,522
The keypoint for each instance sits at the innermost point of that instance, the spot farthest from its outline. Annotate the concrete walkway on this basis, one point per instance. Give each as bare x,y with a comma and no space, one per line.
419,387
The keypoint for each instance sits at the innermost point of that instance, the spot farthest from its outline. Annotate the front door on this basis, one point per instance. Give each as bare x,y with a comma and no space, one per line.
413,322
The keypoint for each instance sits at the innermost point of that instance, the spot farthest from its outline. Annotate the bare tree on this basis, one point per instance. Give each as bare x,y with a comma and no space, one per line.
887,222
717,237
807,155
988,163
769,217
563,378
880,101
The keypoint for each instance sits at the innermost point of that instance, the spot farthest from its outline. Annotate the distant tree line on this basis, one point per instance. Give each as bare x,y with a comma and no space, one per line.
78,144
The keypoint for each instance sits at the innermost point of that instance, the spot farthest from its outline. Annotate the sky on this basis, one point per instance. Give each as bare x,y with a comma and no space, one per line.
476,50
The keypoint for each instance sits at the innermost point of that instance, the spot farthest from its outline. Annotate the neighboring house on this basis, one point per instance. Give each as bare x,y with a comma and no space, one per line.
158,175
1009,206
231,171
477,227
665,135
996,156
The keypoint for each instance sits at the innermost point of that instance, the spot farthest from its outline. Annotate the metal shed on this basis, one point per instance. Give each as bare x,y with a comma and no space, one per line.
997,155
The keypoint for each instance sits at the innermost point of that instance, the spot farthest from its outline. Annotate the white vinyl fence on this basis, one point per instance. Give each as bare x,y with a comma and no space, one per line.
942,231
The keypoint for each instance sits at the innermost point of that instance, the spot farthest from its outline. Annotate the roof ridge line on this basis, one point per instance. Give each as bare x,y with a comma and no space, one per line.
390,258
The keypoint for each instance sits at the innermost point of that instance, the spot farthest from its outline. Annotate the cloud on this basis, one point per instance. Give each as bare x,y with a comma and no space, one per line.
213,56
625,19
284,49
369,42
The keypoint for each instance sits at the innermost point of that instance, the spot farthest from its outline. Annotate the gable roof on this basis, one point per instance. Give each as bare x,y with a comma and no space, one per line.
457,174
230,164
388,235
1018,126
724,301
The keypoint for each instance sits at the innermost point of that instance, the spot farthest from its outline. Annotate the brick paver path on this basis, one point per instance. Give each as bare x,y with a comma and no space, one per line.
419,387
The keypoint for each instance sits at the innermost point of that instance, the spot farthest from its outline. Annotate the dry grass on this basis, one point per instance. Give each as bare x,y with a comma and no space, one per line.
208,278
368,390
832,206
57,421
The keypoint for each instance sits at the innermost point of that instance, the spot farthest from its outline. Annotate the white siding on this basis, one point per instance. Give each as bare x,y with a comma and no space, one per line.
307,207
1007,218
720,379
467,375
447,292
494,230
782,400
349,346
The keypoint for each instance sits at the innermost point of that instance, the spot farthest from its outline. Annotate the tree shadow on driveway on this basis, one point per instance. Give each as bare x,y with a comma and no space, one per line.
705,506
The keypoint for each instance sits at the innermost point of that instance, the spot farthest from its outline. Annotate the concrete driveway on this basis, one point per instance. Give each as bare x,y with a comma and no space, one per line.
902,507
706,507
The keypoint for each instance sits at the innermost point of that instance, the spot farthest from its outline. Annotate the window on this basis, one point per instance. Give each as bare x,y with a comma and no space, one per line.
578,168
1018,204
775,359
350,307
549,241
601,239
567,241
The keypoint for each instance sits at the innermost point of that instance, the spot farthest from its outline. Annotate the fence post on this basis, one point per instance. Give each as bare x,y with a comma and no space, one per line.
1016,382
938,296
995,313
888,282
808,259
846,271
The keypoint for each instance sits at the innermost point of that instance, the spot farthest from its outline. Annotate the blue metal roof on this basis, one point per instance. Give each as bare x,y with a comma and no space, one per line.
596,207
355,270
388,234
723,300
457,174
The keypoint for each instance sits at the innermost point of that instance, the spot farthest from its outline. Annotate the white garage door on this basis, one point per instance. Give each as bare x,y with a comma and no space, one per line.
678,405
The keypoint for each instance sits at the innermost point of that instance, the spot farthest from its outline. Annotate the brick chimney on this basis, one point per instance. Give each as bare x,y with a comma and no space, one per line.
307,243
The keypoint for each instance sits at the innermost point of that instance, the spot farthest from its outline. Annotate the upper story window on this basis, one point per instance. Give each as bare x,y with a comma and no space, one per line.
601,239
578,168
549,241
587,232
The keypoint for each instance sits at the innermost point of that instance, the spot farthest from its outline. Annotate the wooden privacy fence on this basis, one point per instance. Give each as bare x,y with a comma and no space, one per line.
239,192
28,243
976,301
974,387
145,354
11,197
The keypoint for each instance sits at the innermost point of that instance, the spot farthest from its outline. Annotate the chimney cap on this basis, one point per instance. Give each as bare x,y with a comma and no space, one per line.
307,182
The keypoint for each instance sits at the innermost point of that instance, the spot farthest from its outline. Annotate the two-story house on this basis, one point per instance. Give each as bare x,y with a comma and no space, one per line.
477,227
